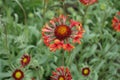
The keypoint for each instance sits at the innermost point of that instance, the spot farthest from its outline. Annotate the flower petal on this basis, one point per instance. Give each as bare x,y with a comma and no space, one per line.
74,23
64,74
56,45
68,47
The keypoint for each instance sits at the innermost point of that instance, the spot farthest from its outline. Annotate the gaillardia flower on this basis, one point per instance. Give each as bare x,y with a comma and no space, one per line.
85,71
88,2
18,74
61,73
116,22
25,60
61,33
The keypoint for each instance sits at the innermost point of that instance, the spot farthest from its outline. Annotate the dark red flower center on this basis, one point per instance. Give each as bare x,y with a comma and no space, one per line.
18,75
85,71
62,32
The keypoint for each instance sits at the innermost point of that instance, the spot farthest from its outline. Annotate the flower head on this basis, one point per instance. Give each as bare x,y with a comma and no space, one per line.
116,22
85,71
88,2
18,74
60,33
25,60
61,73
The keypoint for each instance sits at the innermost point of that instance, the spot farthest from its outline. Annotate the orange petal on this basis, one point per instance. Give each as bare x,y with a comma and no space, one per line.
56,45
118,13
76,40
54,73
79,34
52,47
74,23
63,18
118,27
46,40
52,22
115,20
48,27
57,41
68,47
46,30
92,2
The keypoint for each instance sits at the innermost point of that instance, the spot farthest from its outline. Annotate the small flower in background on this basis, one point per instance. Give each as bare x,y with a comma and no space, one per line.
60,33
18,74
88,2
25,60
116,22
85,71
61,73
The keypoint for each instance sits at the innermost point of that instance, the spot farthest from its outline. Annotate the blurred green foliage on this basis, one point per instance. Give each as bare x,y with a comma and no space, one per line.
20,32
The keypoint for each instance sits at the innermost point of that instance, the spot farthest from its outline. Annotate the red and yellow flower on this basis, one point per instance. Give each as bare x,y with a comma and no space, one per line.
85,71
18,74
25,60
61,73
60,33
116,22
88,2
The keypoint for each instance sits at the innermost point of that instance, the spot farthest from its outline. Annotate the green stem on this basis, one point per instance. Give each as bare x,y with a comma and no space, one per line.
24,13
76,62
63,58
85,13
44,9
39,75
5,30
63,5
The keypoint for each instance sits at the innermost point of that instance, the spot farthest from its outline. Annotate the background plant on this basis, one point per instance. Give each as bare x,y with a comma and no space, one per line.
20,32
